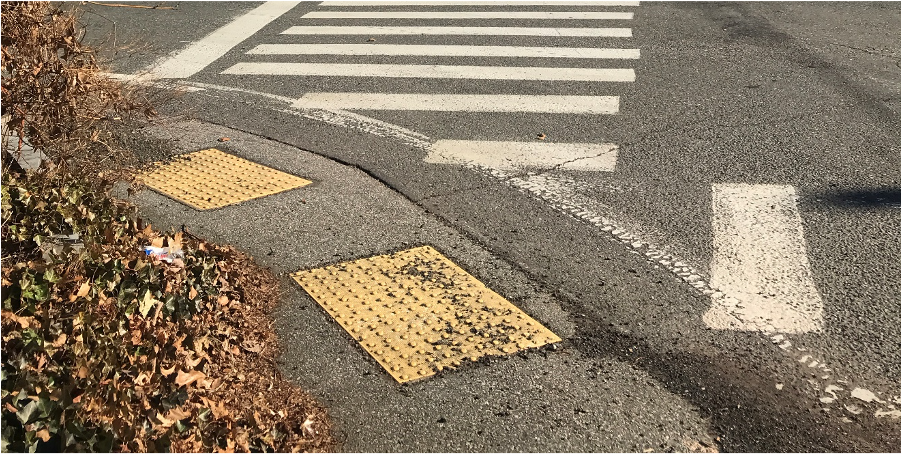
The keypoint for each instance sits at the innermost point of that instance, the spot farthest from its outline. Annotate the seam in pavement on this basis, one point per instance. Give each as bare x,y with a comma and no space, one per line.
477,239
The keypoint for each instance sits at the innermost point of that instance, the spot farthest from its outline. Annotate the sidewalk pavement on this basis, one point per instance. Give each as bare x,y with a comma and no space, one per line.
550,399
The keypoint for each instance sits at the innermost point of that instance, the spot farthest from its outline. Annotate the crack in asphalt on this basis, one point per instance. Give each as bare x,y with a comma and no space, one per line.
544,171
867,50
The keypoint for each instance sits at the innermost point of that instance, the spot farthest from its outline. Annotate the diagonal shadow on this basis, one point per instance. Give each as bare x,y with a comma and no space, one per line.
885,197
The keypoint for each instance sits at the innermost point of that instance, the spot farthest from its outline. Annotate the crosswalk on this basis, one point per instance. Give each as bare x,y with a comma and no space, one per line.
410,42
753,287
536,63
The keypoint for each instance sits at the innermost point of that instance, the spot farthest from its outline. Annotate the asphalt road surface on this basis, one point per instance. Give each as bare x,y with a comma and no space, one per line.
712,190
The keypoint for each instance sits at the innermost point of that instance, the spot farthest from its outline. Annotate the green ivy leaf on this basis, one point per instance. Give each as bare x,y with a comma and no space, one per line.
27,413
51,276
38,292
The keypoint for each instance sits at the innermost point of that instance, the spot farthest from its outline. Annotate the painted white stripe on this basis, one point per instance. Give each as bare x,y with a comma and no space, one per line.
480,31
478,3
760,262
433,71
199,54
461,103
518,155
589,15
443,51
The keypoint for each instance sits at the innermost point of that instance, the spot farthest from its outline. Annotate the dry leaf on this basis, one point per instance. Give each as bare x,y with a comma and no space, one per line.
224,139
83,291
223,300
146,304
176,241
308,427
192,293
192,363
167,372
24,322
137,337
253,347
177,414
219,410
186,378
11,408
109,235
178,342
163,421
157,242
60,341
540,137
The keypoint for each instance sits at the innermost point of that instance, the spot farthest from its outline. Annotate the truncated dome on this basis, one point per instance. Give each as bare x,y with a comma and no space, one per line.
418,313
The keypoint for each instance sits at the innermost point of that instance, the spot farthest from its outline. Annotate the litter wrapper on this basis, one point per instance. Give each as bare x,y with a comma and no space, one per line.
164,254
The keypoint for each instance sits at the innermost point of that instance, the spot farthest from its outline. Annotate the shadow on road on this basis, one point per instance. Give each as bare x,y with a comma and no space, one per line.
888,197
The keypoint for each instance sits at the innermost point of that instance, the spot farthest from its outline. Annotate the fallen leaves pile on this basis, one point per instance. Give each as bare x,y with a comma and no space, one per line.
105,348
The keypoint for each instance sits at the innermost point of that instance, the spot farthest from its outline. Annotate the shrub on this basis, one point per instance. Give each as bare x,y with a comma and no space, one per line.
106,349
55,95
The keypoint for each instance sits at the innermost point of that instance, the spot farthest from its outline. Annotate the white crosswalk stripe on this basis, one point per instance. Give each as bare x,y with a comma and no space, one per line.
592,105
760,260
455,61
434,71
443,51
517,155
343,3
467,31
203,52
467,15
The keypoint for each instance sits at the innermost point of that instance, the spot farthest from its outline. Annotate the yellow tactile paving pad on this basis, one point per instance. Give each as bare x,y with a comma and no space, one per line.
210,179
418,313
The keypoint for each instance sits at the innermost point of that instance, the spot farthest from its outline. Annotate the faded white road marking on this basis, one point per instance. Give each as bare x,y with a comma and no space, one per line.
461,103
443,51
519,155
760,262
200,54
149,80
592,15
470,31
284,104
866,395
433,71
477,3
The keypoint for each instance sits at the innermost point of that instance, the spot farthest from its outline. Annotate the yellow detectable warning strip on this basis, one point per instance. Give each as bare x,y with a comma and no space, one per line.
210,179
417,313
